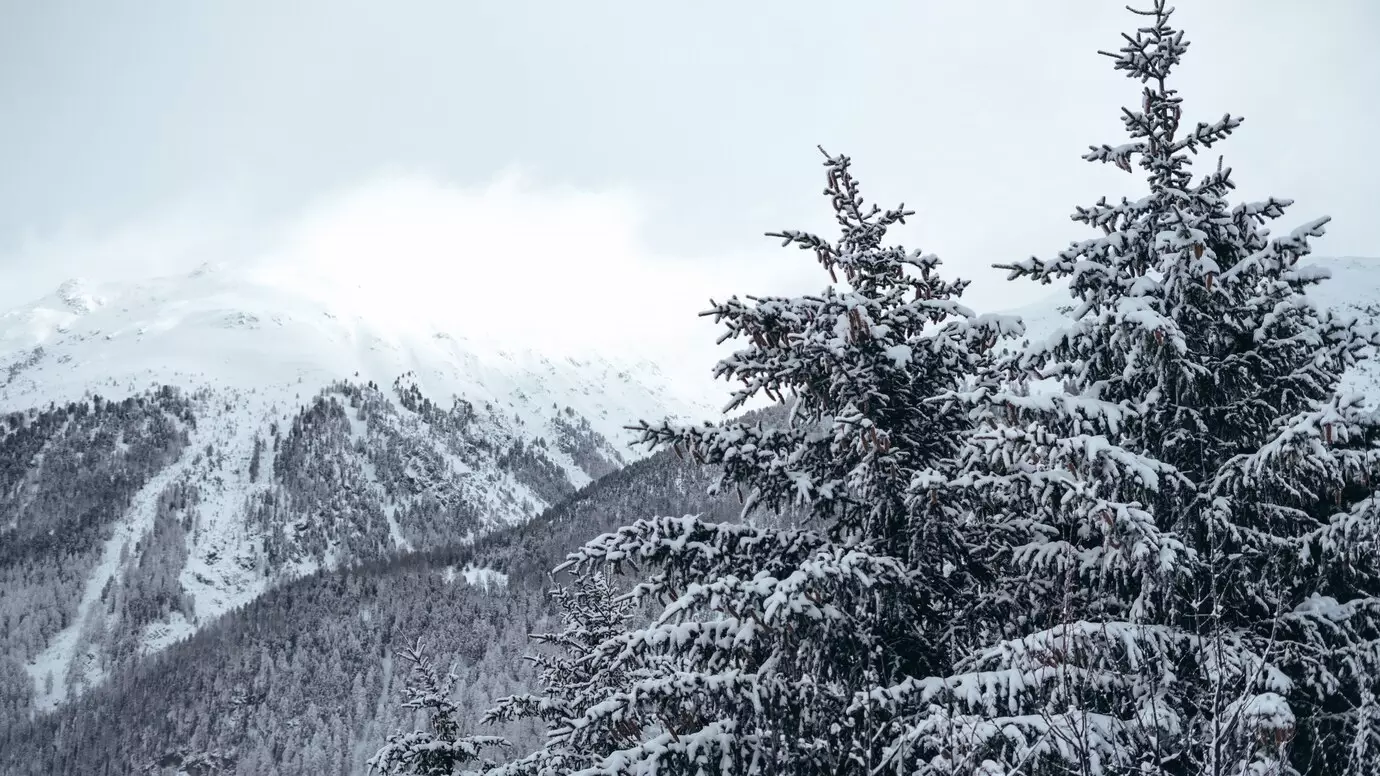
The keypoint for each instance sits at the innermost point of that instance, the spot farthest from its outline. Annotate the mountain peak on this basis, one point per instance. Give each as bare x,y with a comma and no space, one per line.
219,327
76,294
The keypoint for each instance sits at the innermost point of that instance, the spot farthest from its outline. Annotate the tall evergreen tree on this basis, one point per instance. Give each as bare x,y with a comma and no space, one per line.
761,637
1191,571
441,750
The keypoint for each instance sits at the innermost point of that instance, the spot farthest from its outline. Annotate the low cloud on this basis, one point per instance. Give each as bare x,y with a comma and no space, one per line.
511,262
176,240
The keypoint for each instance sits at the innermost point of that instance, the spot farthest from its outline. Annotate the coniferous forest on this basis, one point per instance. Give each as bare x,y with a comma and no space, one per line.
1143,545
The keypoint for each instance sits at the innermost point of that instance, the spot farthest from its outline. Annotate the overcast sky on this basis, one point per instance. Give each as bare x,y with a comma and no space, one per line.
143,136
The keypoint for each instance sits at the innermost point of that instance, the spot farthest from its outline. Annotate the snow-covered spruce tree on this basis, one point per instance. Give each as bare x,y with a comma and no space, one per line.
440,751
592,612
760,638
1193,574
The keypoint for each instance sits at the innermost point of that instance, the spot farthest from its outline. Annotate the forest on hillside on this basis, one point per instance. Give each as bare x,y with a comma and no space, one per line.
305,678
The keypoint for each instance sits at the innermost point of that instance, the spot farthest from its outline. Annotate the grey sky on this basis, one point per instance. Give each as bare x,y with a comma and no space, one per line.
115,115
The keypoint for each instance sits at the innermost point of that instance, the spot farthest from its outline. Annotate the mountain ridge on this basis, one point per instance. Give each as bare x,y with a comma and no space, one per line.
306,437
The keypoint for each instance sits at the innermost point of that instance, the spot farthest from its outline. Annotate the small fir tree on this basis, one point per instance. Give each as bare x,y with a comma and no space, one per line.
440,751
592,612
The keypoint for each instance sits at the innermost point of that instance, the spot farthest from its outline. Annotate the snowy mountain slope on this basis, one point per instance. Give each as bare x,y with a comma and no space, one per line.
313,652
226,329
1354,289
315,436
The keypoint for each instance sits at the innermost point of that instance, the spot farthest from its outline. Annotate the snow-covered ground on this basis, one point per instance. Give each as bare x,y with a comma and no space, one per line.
50,668
477,576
